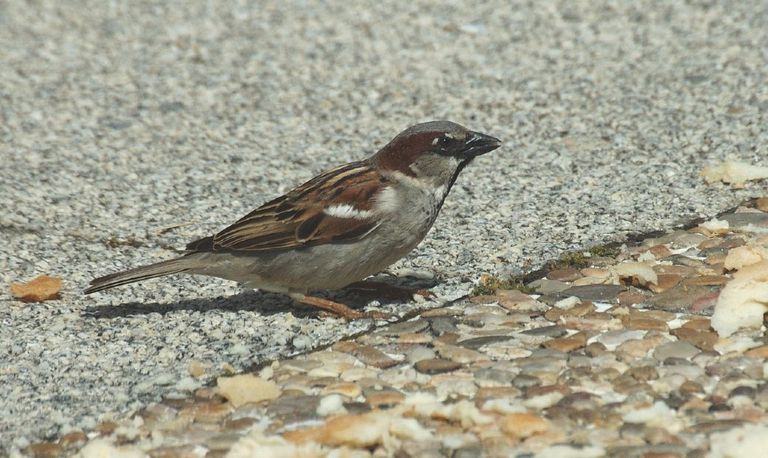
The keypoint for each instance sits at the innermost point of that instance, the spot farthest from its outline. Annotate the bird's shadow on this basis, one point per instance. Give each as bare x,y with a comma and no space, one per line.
261,302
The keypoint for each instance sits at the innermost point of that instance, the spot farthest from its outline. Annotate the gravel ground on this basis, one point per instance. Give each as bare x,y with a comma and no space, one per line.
118,122
612,355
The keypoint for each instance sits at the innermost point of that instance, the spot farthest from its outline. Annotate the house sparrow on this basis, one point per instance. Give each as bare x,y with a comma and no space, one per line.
343,225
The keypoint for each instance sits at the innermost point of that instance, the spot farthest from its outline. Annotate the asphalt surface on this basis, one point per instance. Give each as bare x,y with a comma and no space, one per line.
128,130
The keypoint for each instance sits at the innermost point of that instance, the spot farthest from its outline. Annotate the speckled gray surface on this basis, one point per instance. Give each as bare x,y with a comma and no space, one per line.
118,121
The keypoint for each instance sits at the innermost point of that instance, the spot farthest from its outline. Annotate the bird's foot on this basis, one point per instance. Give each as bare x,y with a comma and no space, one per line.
340,309
387,291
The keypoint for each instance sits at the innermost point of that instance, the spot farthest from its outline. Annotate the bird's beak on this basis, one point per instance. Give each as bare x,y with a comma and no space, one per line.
478,144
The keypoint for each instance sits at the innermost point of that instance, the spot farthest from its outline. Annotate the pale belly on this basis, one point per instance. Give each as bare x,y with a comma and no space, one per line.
321,267
329,266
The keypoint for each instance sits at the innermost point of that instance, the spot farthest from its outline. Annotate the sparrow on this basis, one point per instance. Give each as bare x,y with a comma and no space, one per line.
338,228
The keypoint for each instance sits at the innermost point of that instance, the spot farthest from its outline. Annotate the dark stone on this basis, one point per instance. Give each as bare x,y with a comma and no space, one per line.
496,375
716,425
547,353
639,451
474,321
675,400
713,251
592,293
477,342
526,381
681,298
294,408
683,260
632,430
747,391
675,361
372,356
547,331
405,327
443,324
436,366
719,407
469,451
724,369
576,399
642,373
355,408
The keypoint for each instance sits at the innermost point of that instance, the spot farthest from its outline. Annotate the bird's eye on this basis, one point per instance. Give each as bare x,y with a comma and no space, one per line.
445,141
444,144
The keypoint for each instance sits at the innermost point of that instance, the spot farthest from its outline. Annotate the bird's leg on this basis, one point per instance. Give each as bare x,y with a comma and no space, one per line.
381,289
338,308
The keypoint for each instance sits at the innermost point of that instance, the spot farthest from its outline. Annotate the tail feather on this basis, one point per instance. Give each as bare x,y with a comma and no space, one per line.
159,269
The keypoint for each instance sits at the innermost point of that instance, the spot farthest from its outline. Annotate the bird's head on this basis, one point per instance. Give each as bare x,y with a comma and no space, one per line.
433,152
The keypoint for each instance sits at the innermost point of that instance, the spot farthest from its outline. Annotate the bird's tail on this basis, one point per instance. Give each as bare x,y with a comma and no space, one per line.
172,266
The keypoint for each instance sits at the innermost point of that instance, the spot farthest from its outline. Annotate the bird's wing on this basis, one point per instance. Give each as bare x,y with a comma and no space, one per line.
334,207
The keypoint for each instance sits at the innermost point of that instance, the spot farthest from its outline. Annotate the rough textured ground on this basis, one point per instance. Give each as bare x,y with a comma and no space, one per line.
612,355
119,121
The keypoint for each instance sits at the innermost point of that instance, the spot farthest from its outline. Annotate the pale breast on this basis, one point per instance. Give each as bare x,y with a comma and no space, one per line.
410,211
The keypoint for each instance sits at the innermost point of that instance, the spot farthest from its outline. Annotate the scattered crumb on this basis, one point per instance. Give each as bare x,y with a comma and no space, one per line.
568,303
332,404
242,389
734,173
743,301
196,369
42,288
523,425
257,444
639,271
99,448
543,401
377,427
746,440
715,227
659,414
737,344
572,451
742,256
